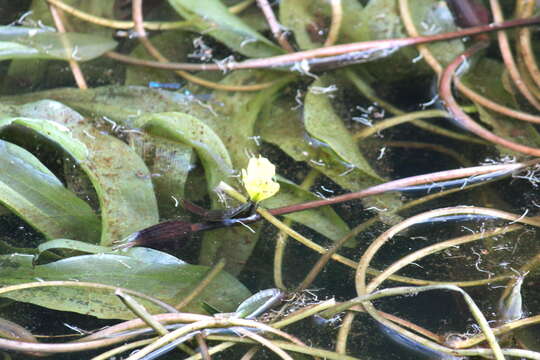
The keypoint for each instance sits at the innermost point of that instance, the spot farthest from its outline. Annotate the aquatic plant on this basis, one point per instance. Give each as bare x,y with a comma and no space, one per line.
222,150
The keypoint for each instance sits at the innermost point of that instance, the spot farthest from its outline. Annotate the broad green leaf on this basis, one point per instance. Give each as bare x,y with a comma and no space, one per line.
12,50
13,33
281,124
32,192
324,220
32,72
308,21
51,45
170,163
193,132
141,253
120,104
120,178
213,18
325,125
68,244
53,131
167,280
238,112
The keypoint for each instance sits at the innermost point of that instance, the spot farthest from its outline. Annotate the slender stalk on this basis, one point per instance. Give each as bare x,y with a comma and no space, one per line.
472,18
445,91
275,26
343,333
330,53
201,285
145,316
269,344
397,120
335,24
508,58
74,65
524,43
110,354
204,324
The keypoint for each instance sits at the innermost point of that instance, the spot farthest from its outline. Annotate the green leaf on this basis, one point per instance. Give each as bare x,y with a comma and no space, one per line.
141,253
31,191
121,104
257,302
72,245
325,125
211,17
193,132
381,19
120,178
309,20
306,19
324,220
36,44
41,71
170,164
281,124
12,50
168,280
41,14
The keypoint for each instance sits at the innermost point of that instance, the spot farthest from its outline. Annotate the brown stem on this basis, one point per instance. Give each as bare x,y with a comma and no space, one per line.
399,184
445,91
174,230
138,20
508,58
275,27
75,68
330,53
524,43
468,12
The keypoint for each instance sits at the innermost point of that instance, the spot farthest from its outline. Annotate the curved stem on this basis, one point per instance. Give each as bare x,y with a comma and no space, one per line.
274,25
400,119
126,25
437,67
74,65
201,285
508,58
335,25
343,333
524,42
445,90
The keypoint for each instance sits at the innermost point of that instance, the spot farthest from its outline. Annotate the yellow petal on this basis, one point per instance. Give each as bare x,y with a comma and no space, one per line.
258,179
261,167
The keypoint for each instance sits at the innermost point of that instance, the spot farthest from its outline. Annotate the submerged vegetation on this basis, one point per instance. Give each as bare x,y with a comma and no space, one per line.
336,179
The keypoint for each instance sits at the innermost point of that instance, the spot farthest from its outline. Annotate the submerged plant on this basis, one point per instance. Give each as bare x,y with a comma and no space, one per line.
147,156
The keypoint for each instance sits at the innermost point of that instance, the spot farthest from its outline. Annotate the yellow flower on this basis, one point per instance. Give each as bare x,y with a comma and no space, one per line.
259,180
